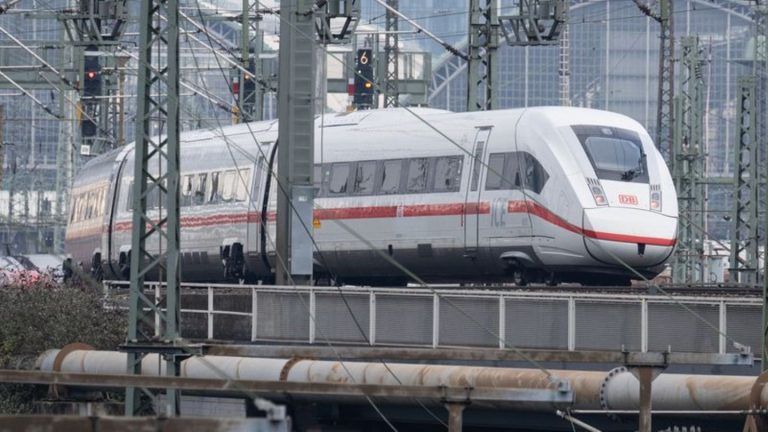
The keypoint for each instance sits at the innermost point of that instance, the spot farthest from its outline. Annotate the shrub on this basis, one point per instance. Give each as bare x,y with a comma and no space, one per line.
40,316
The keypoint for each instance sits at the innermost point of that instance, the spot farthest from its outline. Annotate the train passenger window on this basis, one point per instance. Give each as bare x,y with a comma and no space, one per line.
535,176
447,174
512,178
153,198
100,203
186,191
242,180
228,179
72,210
391,171
495,171
213,188
88,205
129,196
363,181
198,185
417,175
337,185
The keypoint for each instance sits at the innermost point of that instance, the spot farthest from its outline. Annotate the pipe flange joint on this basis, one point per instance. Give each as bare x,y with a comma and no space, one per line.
603,386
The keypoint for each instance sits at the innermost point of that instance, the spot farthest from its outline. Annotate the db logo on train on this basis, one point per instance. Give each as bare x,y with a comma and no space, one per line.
627,199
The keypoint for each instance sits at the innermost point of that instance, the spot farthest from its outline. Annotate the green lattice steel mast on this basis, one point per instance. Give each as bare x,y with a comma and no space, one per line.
482,52
155,238
296,131
391,56
251,97
760,70
665,105
745,221
687,163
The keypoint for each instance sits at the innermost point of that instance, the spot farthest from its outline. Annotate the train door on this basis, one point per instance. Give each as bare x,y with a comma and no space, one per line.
472,206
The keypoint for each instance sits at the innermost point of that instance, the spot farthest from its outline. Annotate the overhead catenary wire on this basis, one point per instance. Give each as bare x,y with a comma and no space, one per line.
281,259
450,48
427,123
217,118
346,227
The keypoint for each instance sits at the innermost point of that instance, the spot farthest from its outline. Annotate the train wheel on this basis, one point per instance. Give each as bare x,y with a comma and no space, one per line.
519,277
551,279
125,265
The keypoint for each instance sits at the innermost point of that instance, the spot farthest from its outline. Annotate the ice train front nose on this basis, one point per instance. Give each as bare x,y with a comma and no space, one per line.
623,237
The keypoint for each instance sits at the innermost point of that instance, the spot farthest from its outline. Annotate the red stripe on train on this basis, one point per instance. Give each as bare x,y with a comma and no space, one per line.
537,209
453,209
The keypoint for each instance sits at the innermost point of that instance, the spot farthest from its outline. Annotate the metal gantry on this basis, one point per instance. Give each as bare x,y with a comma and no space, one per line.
392,57
745,221
687,163
155,238
482,52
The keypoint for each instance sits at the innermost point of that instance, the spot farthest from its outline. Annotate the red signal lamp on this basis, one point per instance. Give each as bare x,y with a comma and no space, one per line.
91,74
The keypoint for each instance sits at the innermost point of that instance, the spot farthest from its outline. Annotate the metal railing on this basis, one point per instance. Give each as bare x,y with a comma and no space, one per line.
420,317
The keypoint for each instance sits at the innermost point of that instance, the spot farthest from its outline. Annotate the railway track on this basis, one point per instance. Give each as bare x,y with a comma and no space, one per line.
715,290
708,290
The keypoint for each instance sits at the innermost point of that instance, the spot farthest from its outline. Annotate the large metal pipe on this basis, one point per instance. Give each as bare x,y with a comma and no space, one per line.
614,390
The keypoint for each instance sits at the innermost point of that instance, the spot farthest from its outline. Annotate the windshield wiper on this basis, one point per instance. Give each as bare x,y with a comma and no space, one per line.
629,174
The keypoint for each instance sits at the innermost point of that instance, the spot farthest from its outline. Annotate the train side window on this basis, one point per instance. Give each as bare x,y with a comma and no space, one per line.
88,205
129,202
100,203
227,186
337,184
495,171
153,198
417,175
363,181
214,188
242,181
535,176
389,176
199,188
186,191
72,210
447,174
512,171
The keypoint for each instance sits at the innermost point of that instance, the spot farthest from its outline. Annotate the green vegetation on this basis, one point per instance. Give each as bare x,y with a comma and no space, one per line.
42,316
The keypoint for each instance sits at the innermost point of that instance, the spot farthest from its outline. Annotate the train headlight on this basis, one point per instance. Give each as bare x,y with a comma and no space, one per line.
655,202
597,191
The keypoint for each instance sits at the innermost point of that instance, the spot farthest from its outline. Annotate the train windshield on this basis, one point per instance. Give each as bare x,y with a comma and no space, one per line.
615,154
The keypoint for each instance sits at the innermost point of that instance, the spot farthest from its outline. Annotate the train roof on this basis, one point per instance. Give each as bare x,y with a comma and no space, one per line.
400,125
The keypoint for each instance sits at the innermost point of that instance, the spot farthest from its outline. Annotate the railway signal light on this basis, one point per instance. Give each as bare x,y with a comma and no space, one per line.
364,89
92,78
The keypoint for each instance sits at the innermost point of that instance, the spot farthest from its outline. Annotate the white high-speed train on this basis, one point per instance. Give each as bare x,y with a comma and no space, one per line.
540,194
